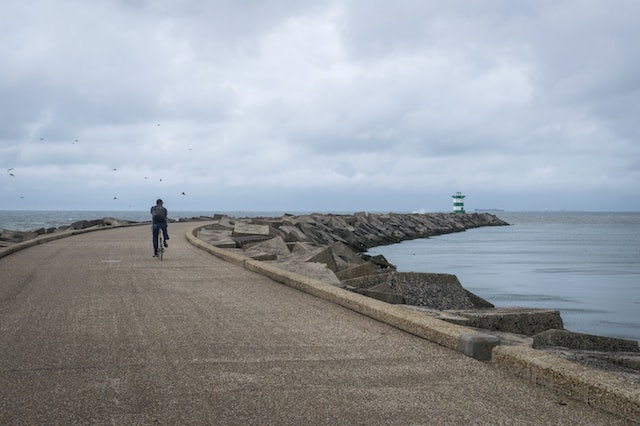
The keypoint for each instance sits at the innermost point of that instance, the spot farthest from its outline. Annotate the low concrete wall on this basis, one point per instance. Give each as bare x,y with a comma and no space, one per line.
597,388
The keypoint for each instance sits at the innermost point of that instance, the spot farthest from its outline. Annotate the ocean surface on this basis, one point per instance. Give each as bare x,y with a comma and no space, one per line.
586,265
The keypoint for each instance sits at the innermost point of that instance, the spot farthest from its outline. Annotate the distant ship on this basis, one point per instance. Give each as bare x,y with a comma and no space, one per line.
489,210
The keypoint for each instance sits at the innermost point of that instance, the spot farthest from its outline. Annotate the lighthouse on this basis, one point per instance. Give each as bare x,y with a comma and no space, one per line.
458,202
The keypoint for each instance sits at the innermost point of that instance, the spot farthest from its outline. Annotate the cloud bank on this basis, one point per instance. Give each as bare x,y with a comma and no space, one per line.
323,105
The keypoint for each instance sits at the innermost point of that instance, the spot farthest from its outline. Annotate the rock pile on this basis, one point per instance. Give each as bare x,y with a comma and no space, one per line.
8,237
335,241
362,231
331,248
436,291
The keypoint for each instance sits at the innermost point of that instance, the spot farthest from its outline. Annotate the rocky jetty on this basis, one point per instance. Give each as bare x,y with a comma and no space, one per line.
362,231
332,248
9,237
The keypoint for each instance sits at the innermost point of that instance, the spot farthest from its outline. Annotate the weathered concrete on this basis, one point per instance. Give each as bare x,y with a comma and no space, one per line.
100,333
582,341
437,291
476,344
620,395
243,229
526,321
597,388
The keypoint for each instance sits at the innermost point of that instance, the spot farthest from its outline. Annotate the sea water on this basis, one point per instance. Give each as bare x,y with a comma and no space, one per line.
586,265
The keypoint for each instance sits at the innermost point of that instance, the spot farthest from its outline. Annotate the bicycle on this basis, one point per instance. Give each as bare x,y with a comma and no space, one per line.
160,244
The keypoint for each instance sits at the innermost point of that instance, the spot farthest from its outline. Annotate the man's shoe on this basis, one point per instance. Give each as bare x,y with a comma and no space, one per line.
165,243
155,255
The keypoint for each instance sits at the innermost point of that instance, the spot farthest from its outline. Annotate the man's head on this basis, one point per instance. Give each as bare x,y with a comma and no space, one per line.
159,202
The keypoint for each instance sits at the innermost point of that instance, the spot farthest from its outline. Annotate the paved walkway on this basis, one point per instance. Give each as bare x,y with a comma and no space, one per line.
95,331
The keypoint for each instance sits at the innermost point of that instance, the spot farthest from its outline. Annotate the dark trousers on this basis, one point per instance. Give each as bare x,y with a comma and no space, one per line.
155,228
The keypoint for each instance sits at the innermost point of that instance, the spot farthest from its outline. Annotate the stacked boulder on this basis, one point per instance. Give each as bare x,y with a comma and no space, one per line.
331,248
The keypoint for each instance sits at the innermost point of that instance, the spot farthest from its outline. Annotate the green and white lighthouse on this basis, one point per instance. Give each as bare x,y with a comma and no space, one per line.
458,202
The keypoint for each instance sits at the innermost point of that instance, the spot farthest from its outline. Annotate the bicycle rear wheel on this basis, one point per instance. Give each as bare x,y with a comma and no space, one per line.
160,246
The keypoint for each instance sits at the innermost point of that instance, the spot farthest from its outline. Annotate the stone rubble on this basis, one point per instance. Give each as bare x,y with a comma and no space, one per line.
332,248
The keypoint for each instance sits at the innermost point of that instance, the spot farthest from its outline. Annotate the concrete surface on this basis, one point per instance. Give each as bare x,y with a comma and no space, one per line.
597,388
93,330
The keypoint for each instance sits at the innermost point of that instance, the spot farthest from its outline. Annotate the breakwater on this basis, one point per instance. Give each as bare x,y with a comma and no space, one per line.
362,231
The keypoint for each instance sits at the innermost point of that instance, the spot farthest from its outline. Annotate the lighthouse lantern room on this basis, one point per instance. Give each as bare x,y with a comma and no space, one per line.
458,202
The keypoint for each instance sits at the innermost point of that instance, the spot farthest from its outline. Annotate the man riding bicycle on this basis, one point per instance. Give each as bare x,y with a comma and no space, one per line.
159,218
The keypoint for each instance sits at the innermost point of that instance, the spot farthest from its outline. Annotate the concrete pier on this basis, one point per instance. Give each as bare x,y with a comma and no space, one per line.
93,330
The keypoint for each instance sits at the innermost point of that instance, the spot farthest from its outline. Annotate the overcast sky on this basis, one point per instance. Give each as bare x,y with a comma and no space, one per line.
360,105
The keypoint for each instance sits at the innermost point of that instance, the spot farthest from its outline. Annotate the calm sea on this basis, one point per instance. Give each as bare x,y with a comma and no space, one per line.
586,265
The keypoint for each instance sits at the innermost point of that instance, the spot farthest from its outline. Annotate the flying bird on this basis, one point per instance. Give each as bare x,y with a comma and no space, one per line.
184,193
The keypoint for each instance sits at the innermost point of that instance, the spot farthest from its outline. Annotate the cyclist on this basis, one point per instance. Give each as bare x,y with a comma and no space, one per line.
159,218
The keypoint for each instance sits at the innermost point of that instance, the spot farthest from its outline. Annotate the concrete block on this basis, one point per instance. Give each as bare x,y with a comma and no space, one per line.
249,239
394,299
345,253
242,229
224,244
292,234
355,271
581,341
275,246
527,321
478,346
325,255
597,388
302,248
262,256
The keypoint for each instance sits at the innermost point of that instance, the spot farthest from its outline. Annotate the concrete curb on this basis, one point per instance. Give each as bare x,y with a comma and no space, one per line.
595,387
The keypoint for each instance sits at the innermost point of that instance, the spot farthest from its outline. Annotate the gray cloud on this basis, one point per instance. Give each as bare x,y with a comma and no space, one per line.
323,105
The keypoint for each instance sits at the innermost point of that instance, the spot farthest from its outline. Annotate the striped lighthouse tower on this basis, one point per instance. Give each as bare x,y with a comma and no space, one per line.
458,202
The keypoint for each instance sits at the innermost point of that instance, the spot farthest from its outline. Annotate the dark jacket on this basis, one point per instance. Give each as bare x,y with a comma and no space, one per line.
159,215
